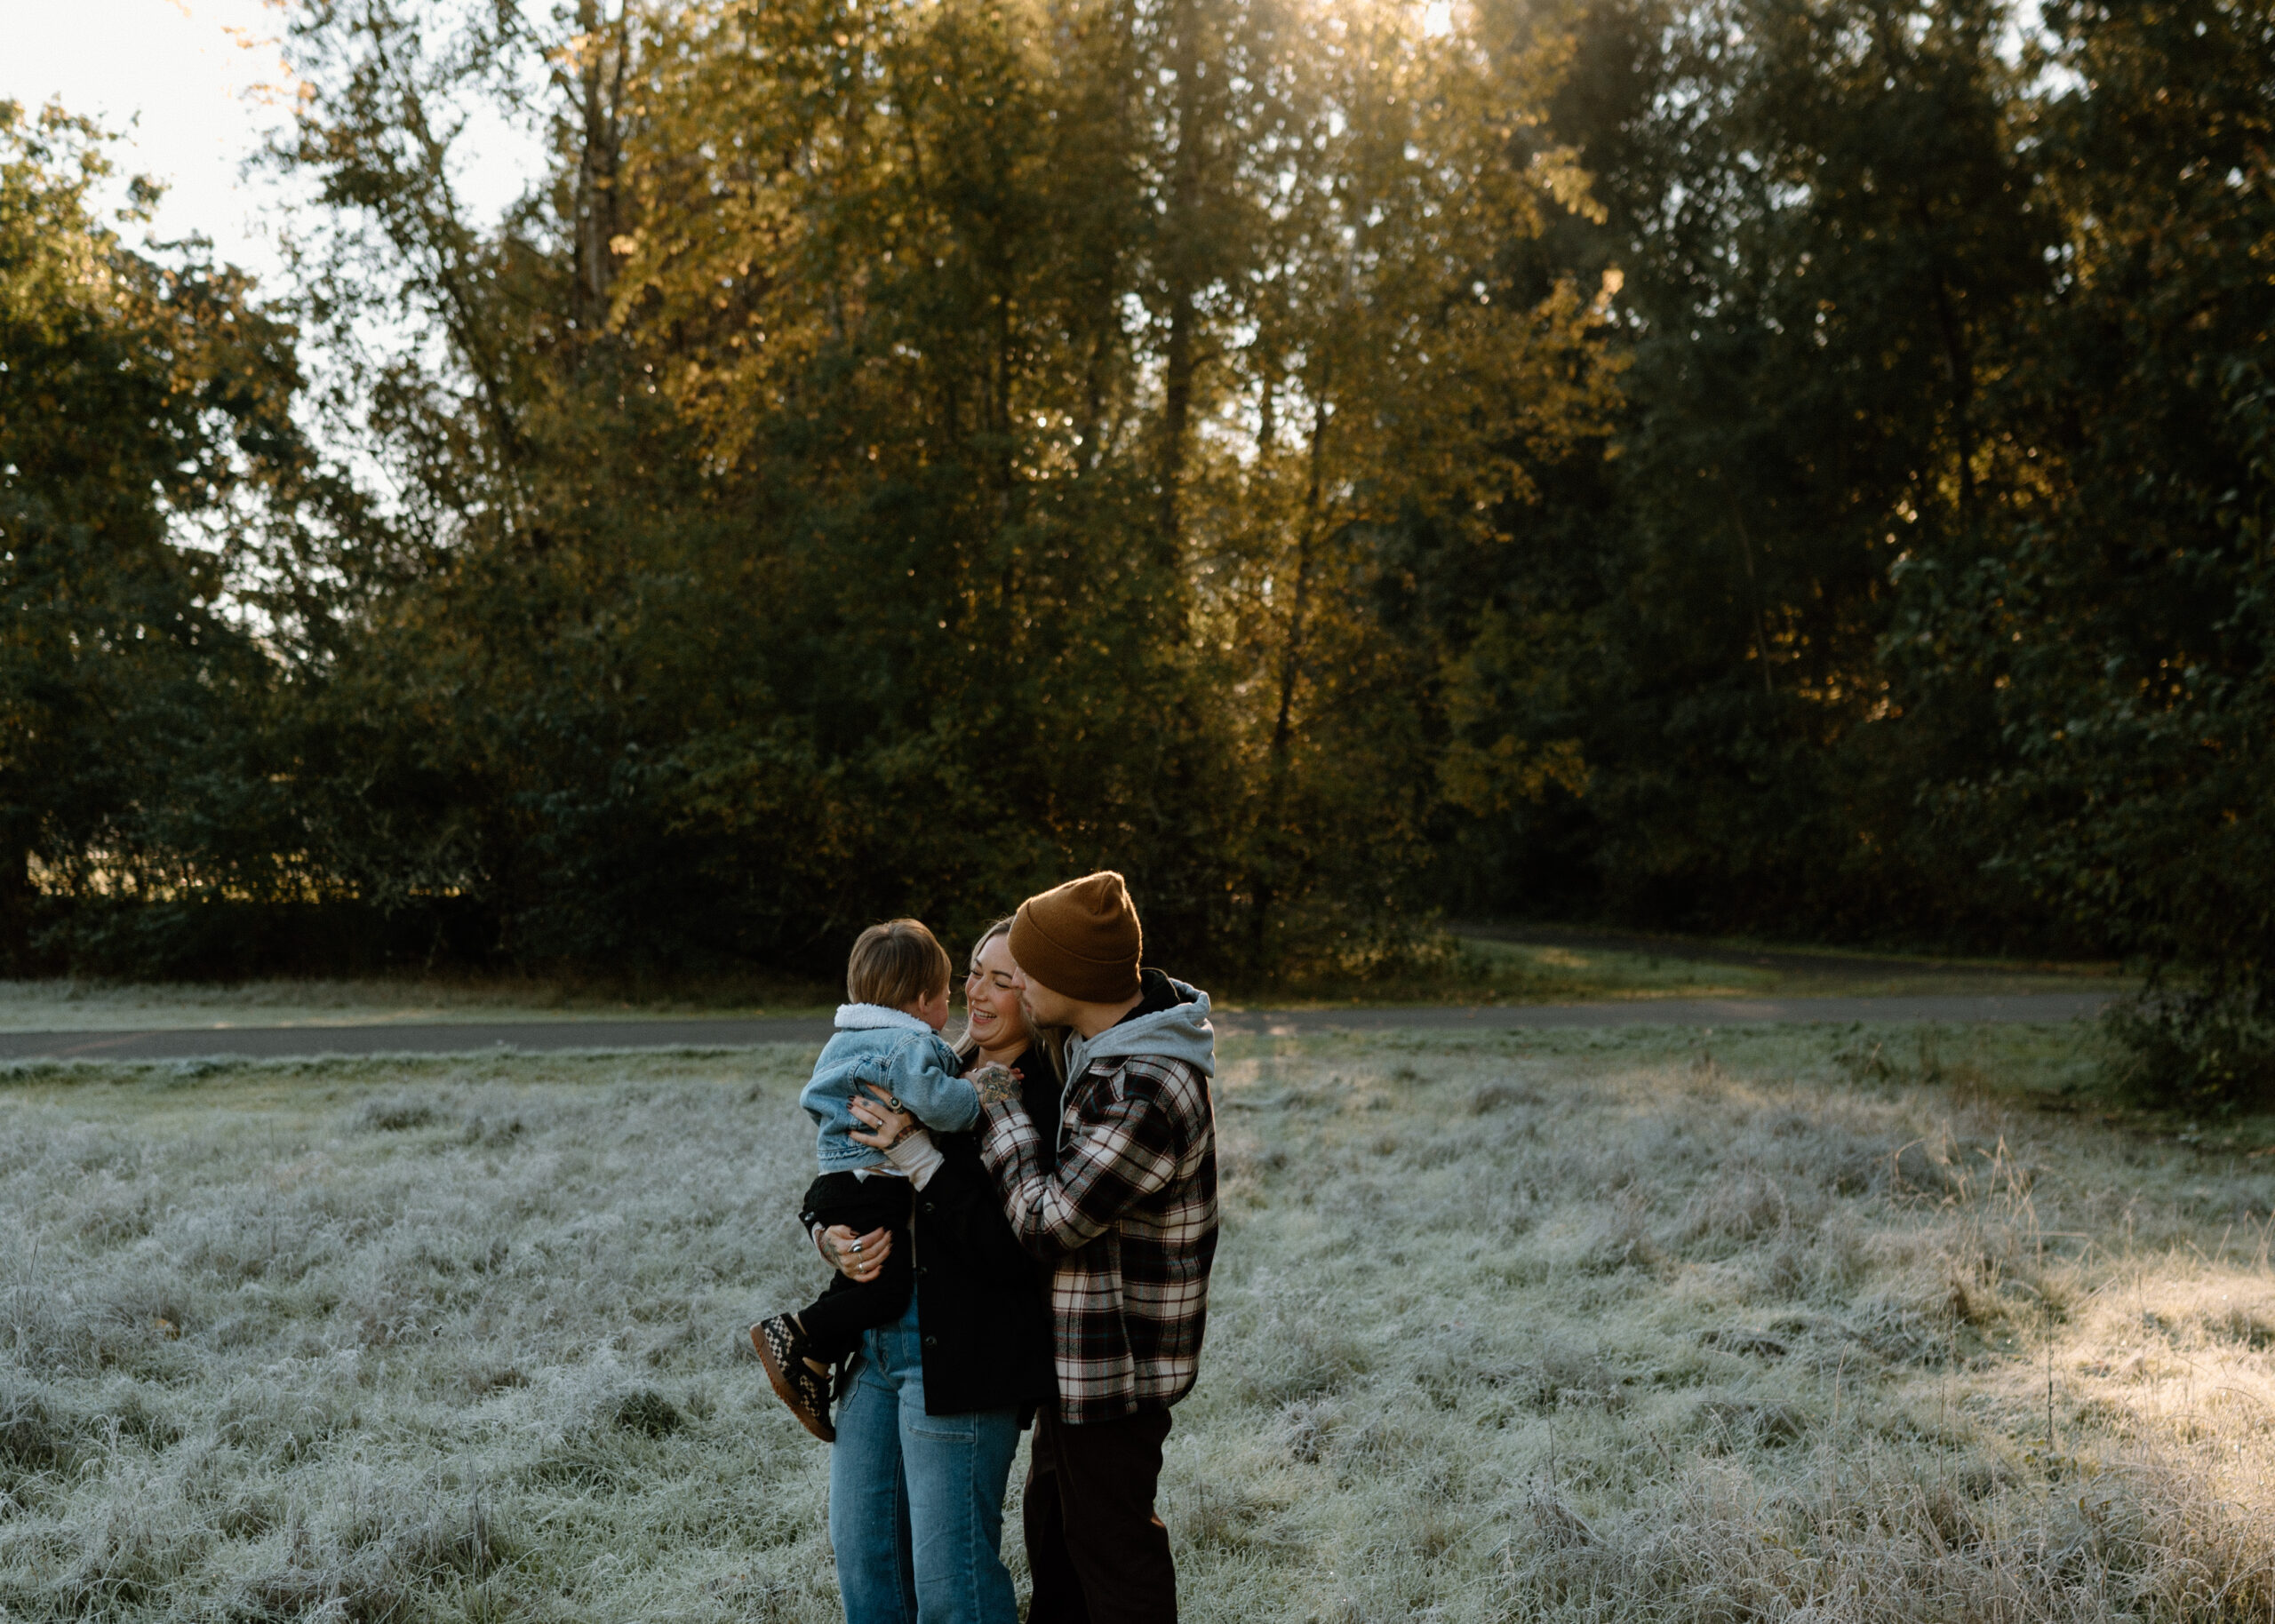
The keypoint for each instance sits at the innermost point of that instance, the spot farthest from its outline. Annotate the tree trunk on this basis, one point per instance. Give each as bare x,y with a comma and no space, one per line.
1181,253
1263,887
17,893
599,214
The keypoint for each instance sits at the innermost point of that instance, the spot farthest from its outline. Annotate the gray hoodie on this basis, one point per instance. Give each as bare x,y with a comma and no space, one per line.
1181,1033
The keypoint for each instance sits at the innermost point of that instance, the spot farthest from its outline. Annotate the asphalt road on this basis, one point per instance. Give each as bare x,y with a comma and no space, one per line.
1688,950
284,1042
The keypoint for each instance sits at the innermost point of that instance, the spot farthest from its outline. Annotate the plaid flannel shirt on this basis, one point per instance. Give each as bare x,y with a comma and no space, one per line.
1127,1222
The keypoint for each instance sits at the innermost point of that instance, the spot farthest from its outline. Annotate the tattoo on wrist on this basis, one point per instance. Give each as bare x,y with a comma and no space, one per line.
995,1084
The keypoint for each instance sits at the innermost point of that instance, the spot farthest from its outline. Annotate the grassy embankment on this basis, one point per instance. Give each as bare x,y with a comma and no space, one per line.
1575,1325
1581,967
1450,970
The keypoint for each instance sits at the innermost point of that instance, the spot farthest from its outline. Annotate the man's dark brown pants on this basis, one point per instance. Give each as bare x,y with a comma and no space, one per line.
1099,1554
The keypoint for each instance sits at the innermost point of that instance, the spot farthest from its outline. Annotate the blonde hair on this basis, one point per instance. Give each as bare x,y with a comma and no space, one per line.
1050,1040
896,964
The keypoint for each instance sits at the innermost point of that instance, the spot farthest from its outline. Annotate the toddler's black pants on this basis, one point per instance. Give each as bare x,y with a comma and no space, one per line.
834,1322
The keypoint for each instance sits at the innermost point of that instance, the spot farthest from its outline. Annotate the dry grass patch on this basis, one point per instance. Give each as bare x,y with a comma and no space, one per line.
62,1005
1573,1325
1615,1327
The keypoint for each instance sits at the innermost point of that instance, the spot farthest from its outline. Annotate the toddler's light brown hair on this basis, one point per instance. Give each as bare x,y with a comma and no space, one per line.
896,964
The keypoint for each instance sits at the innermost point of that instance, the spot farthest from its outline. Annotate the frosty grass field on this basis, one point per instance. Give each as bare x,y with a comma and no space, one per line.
1644,1325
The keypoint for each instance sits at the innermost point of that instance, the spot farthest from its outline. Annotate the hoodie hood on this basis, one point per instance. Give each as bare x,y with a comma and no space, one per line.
1181,1033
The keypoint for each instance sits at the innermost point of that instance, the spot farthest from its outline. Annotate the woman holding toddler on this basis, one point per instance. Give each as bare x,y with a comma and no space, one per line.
928,1407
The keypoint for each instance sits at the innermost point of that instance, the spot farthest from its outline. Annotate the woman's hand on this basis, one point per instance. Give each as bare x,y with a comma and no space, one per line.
888,1121
856,1257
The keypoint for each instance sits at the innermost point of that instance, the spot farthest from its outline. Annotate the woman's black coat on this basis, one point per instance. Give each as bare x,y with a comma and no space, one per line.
980,1306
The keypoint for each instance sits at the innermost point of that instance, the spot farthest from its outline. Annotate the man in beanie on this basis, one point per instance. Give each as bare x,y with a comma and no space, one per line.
1118,1198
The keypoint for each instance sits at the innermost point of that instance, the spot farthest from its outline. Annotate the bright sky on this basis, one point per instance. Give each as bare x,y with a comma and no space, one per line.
203,82
206,79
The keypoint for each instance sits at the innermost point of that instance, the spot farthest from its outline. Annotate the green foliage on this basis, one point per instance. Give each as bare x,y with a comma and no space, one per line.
144,431
2194,1048
982,461
1792,467
1824,222
1931,594
2118,612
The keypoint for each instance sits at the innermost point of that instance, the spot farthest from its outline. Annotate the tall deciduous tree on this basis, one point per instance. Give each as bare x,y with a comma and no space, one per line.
907,452
2118,610
1828,234
145,427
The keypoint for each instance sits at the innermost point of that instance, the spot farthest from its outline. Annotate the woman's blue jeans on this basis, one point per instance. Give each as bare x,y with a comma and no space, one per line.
916,1501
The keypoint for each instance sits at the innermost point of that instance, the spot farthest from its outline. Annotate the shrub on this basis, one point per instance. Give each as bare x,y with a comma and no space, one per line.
2194,1048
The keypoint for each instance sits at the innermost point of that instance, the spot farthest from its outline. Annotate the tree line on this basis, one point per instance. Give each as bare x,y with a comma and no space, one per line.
1795,466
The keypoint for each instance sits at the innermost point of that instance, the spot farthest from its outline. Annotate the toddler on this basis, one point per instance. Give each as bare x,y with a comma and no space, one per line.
888,1038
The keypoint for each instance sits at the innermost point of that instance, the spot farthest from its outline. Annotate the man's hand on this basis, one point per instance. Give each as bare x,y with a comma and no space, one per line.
995,1082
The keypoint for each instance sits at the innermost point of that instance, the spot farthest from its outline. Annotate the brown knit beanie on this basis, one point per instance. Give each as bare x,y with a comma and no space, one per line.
1081,939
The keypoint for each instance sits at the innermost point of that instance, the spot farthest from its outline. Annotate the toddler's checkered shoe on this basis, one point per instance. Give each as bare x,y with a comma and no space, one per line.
784,1349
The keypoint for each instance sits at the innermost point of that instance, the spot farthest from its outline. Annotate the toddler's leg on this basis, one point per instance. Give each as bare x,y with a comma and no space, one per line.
835,1320
798,1349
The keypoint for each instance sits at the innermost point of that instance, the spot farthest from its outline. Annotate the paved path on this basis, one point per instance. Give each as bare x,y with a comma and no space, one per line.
1690,950
279,1042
